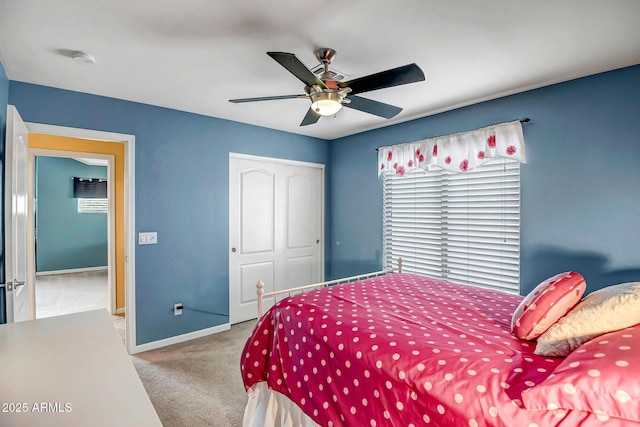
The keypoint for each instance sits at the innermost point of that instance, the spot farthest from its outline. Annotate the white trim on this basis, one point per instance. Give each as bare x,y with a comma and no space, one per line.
130,243
182,338
275,160
70,271
111,229
129,216
91,162
121,311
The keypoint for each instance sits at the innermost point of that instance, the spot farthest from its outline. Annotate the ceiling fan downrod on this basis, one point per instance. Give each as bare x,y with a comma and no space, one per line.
325,55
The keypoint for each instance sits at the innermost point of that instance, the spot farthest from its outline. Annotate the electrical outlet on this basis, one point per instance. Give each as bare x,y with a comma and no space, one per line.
177,309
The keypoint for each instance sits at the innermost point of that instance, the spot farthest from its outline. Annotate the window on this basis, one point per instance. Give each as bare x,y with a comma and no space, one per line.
463,227
93,205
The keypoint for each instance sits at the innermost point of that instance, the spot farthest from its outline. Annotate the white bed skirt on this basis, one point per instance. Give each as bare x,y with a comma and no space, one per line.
268,408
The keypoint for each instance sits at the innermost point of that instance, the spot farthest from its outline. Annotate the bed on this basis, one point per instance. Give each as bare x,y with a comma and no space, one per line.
400,349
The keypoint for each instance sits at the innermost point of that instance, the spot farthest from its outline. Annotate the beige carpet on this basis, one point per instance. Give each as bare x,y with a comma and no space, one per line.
198,382
195,383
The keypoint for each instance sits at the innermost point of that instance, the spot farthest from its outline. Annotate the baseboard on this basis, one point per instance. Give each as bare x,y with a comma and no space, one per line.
180,338
71,270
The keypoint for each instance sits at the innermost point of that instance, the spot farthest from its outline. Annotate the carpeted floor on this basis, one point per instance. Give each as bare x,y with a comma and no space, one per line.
197,383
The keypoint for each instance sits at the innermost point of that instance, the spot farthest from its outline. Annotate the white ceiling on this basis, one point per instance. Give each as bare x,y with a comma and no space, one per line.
194,55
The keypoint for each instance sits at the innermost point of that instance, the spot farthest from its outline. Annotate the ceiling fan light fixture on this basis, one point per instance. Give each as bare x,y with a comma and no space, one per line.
326,103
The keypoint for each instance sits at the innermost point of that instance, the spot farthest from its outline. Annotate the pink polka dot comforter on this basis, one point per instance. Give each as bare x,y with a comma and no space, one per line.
405,350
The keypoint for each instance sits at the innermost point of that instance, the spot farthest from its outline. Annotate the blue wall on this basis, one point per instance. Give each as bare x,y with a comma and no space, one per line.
4,100
182,192
580,190
67,239
580,197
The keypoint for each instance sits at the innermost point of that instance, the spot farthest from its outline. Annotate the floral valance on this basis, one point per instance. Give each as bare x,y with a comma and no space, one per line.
459,152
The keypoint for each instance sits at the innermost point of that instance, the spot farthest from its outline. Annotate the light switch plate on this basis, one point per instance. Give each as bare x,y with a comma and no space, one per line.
148,238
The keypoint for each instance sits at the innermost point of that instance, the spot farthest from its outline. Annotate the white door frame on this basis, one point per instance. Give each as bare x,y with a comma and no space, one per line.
129,215
111,215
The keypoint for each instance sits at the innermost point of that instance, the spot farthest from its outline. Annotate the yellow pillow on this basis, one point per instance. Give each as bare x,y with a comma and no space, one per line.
606,310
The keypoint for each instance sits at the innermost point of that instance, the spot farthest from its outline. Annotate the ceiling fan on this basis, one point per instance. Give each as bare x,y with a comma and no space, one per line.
328,95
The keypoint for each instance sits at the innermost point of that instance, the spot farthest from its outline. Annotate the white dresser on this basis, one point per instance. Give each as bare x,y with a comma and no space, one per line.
70,370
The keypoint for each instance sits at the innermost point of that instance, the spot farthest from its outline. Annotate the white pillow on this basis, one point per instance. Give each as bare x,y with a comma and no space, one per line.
606,310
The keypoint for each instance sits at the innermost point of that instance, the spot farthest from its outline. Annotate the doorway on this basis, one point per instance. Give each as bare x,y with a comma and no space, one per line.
51,140
72,238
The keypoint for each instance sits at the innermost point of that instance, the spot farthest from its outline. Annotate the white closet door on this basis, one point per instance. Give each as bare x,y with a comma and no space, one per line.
275,228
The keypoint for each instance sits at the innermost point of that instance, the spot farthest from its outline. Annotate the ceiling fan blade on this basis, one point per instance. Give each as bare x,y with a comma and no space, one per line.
410,73
310,118
267,98
373,107
297,68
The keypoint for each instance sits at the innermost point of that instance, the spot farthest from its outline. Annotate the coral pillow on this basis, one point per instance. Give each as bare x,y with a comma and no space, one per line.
606,310
600,377
547,303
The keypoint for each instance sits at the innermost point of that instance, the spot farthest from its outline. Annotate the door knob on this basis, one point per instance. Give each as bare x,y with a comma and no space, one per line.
14,285
233,250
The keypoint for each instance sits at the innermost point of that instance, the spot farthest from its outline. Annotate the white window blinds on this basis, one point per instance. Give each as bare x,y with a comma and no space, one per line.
463,227
93,205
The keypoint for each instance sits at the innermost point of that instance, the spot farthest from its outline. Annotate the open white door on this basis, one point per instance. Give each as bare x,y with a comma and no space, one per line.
15,219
